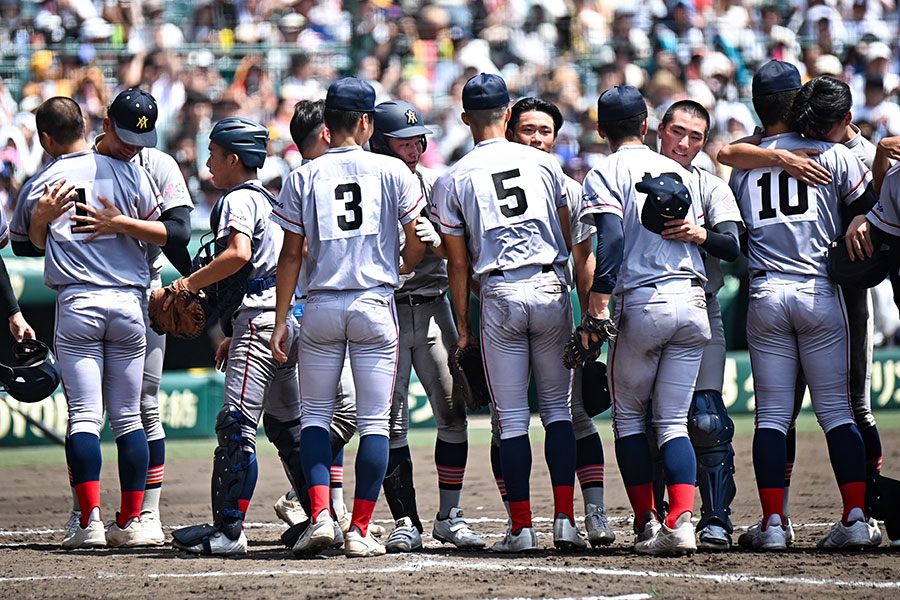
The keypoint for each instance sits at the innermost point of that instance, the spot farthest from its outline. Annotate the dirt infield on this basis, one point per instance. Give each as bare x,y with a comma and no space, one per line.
35,504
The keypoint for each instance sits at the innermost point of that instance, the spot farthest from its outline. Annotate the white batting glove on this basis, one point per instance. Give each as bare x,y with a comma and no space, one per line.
426,232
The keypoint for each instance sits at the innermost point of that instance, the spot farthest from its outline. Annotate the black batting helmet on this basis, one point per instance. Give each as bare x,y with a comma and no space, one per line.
246,138
595,388
667,200
861,273
34,374
396,119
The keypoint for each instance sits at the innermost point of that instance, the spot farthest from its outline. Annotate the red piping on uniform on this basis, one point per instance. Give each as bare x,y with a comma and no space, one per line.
56,349
484,360
857,185
155,208
396,353
281,216
586,206
612,370
418,200
846,329
877,216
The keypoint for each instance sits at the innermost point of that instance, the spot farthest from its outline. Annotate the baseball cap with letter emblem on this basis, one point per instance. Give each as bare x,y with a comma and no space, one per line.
667,200
134,114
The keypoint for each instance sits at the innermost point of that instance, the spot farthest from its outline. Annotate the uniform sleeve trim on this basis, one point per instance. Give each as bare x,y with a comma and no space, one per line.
856,186
285,219
879,217
415,206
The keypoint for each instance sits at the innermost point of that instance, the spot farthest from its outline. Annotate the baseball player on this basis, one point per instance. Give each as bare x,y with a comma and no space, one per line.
246,248
18,326
535,122
426,334
129,134
790,224
828,111
682,134
100,334
344,205
503,211
653,263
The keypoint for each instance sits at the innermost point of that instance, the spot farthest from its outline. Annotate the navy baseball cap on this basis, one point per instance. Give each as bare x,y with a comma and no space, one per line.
350,94
667,200
134,114
775,76
620,102
485,91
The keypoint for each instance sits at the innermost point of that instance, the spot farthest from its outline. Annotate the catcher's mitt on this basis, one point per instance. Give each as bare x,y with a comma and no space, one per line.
575,354
185,317
469,381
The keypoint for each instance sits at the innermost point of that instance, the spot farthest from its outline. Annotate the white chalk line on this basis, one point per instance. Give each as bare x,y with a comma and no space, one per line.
619,597
437,563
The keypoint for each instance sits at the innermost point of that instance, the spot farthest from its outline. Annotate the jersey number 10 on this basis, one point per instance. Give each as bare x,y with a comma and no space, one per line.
784,196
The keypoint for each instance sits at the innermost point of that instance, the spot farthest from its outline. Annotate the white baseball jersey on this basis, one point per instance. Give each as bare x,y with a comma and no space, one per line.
109,260
885,215
247,211
789,223
430,278
499,195
648,258
346,203
719,206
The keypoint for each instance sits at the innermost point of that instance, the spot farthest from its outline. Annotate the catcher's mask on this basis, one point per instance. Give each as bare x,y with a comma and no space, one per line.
396,119
34,373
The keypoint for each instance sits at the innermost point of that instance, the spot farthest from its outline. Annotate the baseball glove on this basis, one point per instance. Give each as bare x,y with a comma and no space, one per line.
575,354
185,317
469,381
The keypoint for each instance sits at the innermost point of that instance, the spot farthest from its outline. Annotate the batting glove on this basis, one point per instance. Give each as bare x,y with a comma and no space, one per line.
426,232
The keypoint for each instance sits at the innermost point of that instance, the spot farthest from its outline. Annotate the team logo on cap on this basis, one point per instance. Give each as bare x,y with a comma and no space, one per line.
142,123
411,118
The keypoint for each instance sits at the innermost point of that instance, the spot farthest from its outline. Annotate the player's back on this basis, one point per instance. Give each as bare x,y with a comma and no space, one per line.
506,197
789,223
108,260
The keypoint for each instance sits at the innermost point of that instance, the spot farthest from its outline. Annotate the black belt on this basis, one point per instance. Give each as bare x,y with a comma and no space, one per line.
694,283
758,274
544,269
416,299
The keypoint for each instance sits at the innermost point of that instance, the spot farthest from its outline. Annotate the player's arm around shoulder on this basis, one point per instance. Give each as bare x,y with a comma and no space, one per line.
800,164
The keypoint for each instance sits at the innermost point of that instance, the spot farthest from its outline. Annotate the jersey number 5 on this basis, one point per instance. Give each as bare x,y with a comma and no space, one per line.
510,208
784,196
353,205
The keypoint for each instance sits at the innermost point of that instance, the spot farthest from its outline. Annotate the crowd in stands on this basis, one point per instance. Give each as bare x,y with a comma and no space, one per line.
208,59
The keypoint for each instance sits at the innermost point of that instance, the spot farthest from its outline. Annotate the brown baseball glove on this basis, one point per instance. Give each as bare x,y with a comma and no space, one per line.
469,381
176,311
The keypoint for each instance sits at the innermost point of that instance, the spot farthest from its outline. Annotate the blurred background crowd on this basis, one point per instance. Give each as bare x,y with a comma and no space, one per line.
204,60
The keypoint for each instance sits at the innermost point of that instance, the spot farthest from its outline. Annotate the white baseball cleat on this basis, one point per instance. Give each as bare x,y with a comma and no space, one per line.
317,536
651,526
152,528
92,536
745,540
597,526
130,536
774,537
566,536
714,537
73,523
670,542
346,517
455,530
860,533
358,546
523,541
219,545
289,509
404,538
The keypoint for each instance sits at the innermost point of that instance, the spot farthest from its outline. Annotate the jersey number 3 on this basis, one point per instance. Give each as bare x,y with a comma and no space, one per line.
353,206
515,203
785,198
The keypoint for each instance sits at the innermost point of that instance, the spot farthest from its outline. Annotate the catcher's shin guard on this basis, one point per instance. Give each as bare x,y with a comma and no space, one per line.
279,433
711,431
232,463
883,502
400,493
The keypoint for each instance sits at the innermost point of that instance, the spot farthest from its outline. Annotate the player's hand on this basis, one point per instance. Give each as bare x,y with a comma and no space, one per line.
800,166
587,338
99,222
179,285
466,339
278,342
859,238
891,147
19,327
222,354
426,232
53,203
684,231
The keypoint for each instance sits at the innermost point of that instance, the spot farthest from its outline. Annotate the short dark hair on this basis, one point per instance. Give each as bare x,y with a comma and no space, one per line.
773,108
308,117
60,118
623,129
487,116
345,120
529,104
695,109
819,105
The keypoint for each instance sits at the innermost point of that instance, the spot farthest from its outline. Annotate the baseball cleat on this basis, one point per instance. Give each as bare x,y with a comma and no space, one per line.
130,536
714,537
454,530
73,523
597,525
152,528
857,535
566,536
338,542
651,526
404,538
289,509
774,537
745,540
524,540
92,536
670,542
219,545
358,546
317,536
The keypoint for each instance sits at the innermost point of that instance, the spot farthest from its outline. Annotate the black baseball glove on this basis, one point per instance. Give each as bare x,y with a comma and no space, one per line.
575,354
469,381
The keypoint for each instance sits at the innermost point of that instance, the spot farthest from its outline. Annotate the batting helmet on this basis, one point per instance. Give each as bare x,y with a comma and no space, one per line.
595,388
667,200
861,273
396,119
244,137
34,374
